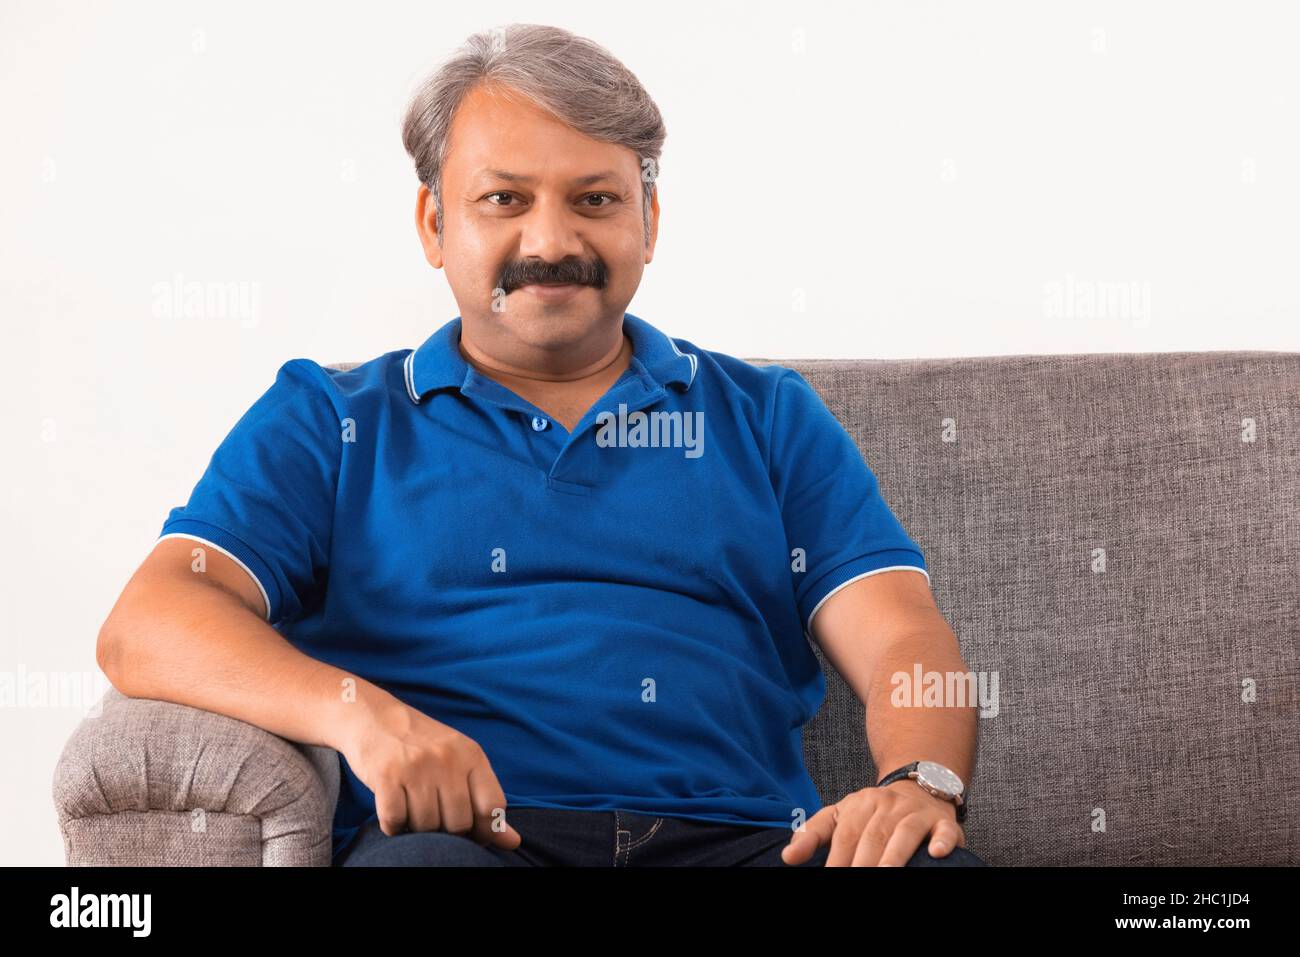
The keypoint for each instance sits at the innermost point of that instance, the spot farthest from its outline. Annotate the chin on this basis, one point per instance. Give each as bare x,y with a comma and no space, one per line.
551,321
544,325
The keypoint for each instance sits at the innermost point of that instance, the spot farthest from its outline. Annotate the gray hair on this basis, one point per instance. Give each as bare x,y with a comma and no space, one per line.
578,81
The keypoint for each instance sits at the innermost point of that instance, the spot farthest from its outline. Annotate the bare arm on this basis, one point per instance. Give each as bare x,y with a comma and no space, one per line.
888,625
873,630
200,638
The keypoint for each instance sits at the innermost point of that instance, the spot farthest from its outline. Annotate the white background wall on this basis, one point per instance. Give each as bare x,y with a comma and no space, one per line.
839,179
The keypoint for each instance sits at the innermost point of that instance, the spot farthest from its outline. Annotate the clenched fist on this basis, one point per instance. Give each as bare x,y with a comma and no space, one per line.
427,776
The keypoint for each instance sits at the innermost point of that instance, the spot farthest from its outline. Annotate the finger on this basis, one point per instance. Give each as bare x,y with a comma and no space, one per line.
454,806
851,829
946,836
816,831
390,808
908,835
422,811
489,802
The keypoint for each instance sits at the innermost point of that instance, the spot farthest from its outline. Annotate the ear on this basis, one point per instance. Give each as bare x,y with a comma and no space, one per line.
654,223
426,224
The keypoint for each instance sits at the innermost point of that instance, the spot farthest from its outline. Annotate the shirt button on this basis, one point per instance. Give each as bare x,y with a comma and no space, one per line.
539,423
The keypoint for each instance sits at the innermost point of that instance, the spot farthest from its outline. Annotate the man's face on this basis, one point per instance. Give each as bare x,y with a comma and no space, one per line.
528,201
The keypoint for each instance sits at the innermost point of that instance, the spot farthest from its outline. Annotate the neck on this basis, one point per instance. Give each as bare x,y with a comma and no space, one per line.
611,364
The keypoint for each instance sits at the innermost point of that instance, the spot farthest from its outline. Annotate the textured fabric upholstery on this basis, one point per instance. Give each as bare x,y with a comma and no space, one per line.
144,782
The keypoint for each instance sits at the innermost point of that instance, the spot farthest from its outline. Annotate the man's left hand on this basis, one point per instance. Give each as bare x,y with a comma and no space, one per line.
879,827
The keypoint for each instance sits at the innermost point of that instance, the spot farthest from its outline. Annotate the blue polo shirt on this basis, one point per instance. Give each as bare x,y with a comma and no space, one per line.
619,615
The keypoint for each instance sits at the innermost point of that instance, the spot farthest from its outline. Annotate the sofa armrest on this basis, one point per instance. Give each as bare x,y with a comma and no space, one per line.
145,782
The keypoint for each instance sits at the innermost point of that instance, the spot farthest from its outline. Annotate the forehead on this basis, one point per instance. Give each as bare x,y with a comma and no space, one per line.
499,129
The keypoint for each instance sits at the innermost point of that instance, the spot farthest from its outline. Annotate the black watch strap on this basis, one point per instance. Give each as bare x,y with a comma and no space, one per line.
898,775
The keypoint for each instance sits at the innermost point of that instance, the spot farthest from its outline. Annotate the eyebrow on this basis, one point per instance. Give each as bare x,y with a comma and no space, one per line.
509,177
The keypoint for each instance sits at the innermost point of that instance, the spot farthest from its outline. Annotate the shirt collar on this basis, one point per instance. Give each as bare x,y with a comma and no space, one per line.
438,364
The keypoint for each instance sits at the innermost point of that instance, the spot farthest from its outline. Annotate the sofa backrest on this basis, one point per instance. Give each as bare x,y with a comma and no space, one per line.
1116,538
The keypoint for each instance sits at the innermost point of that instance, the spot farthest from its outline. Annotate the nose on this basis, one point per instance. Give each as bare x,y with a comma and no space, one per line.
548,231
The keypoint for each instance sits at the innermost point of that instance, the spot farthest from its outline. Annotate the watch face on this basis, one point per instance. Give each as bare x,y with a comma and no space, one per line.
939,778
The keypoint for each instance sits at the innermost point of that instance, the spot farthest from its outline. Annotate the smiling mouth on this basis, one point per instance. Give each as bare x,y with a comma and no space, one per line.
553,292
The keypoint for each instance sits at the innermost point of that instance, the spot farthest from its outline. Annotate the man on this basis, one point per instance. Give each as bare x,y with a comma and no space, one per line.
553,560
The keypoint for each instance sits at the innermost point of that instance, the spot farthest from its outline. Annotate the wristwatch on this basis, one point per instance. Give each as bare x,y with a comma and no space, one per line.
935,778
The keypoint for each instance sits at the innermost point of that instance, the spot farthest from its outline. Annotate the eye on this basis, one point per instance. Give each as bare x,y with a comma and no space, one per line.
610,196
499,193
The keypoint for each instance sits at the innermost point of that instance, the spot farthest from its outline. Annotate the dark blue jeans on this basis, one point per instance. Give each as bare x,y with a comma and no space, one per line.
572,838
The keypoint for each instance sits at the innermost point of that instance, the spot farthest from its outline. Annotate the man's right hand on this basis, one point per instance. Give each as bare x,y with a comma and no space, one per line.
427,776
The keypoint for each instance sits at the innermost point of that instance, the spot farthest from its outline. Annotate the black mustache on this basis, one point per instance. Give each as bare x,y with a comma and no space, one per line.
577,271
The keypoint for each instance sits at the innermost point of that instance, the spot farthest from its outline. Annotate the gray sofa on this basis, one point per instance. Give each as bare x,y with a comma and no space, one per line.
1115,537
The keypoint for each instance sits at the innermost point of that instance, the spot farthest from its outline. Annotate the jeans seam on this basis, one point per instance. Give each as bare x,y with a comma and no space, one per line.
618,839
647,835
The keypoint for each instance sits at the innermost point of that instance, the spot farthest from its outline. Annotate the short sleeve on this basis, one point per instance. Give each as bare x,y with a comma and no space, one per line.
267,496
830,501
